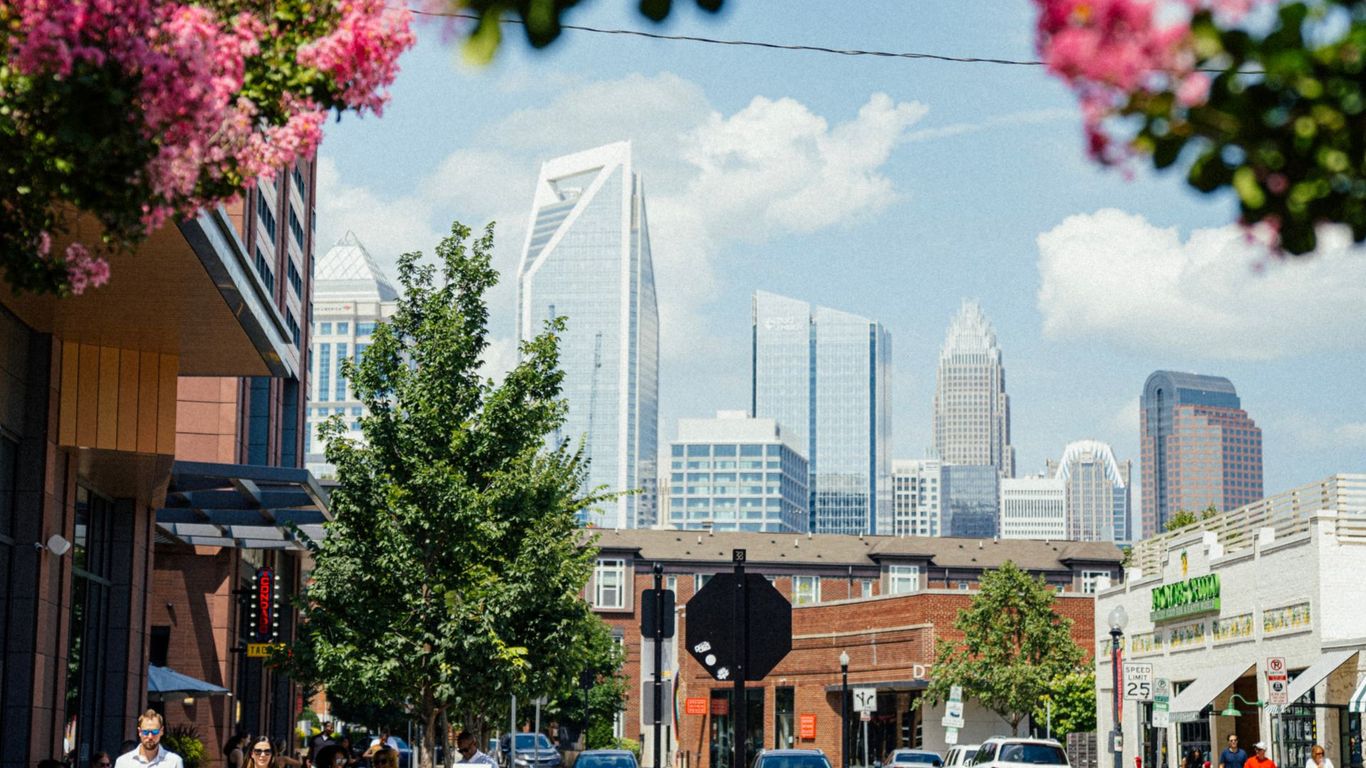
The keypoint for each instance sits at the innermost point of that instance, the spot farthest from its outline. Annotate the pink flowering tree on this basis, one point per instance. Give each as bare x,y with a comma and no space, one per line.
1260,97
119,115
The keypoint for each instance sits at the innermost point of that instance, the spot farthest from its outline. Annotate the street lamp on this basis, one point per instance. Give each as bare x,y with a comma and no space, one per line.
1232,711
1119,619
844,709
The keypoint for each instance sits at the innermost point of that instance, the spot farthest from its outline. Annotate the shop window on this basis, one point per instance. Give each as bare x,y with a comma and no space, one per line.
784,718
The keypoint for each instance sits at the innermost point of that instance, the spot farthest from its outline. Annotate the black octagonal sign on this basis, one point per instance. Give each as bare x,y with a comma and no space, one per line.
716,615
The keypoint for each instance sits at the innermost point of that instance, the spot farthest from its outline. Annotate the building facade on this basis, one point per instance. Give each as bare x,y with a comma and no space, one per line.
1097,492
587,259
351,295
915,497
1198,447
1258,603
971,408
825,375
1033,508
736,473
970,500
883,600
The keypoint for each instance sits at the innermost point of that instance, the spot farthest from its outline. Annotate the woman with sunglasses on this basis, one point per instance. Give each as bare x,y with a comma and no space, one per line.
261,754
101,760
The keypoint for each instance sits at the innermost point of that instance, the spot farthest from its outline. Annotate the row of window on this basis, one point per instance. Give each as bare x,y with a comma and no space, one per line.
266,215
263,269
609,584
365,328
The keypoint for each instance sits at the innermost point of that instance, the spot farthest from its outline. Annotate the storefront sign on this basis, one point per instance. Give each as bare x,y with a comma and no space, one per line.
261,650
807,727
720,707
265,605
1191,597
695,705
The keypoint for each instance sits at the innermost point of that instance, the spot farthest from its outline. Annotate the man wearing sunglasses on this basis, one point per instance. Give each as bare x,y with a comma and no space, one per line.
150,753
469,751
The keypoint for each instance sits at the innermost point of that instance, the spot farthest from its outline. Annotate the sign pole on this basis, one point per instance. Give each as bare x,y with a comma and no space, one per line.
740,617
658,597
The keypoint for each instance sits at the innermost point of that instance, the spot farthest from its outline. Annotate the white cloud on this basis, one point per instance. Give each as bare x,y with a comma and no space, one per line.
1114,277
387,226
1315,433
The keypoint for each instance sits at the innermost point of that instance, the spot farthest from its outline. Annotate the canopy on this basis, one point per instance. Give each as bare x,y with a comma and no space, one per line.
243,505
1325,666
164,682
1185,708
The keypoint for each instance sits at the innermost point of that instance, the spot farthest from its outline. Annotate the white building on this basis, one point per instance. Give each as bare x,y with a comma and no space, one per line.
736,473
971,408
1033,508
916,500
1219,608
351,295
587,259
1098,495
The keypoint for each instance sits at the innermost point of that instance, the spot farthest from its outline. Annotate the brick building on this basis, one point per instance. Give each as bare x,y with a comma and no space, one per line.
884,601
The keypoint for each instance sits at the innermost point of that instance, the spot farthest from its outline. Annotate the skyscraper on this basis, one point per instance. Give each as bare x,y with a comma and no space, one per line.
1033,508
351,294
825,376
915,497
1098,492
587,258
1199,447
971,501
971,408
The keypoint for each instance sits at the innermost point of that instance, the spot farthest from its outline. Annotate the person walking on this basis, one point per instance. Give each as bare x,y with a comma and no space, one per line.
1232,756
1318,758
101,760
1259,758
232,751
149,751
469,750
1194,759
261,754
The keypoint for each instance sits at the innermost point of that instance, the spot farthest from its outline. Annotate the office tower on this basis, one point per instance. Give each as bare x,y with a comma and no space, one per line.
825,375
1199,447
587,259
971,408
737,473
1097,492
970,503
351,294
1033,508
915,497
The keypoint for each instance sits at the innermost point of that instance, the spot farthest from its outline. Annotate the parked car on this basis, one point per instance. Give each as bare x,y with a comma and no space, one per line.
534,750
606,758
960,755
1007,752
791,758
914,757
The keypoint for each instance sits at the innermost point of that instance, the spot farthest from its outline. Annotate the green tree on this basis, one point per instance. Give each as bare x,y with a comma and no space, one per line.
1014,646
1070,704
1185,517
452,574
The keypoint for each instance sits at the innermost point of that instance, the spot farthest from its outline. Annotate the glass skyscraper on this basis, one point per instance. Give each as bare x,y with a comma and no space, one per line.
825,376
587,258
971,408
1097,492
971,501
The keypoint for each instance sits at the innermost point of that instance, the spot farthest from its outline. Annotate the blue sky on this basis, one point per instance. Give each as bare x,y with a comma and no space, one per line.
891,188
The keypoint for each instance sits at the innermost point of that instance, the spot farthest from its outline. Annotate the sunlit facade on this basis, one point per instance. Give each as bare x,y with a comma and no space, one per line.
587,259
1098,492
971,408
915,497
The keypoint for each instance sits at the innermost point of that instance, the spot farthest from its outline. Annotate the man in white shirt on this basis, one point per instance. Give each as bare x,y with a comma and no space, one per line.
469,751
150,752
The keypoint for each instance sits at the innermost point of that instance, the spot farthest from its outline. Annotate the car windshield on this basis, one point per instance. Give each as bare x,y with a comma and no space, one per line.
605,761
532,741
794,761
915,757
1033,754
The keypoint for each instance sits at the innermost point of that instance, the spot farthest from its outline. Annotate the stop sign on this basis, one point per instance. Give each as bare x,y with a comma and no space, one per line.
716,616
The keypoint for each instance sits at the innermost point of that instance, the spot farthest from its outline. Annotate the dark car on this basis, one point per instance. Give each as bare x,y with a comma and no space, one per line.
606,758
791,758
534,750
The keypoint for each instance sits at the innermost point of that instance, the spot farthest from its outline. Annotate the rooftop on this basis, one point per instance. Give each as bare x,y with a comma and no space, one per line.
348,270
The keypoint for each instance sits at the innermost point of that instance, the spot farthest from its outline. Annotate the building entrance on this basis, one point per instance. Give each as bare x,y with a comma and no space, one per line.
1300,732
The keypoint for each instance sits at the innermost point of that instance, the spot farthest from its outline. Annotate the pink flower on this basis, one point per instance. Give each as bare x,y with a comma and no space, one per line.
84,270
1194,90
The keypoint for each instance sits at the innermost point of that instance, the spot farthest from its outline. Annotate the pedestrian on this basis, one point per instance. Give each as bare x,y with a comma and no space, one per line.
385,758
1194,759
469,750
1232,756
282,760
1318,758
101,760
1259,758
232,751
149,751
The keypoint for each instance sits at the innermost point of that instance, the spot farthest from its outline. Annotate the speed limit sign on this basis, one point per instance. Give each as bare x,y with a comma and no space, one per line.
1138,682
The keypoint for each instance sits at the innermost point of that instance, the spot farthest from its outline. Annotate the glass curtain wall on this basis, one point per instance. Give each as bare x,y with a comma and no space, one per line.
90,583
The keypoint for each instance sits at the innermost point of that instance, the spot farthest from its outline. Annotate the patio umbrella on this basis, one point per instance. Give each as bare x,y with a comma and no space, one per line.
164,683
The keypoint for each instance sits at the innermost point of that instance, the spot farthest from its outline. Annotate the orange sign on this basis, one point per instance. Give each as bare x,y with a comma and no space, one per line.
807,727
720,707
695,705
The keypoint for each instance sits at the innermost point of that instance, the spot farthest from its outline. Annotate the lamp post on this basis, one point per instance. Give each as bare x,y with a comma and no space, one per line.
1119,619
1232,711
844,709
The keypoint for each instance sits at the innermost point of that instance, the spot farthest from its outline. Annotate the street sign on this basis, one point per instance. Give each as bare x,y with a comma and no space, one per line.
713,614
950,735
955,693
865,716
650,617
647,700
1138,681
865,699
1275,665
1277,681
695,705
953,714
1162,696
261,650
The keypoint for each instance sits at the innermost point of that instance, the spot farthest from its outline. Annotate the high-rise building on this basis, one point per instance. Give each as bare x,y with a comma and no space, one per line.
970,500
737,473
1033,508
971,408
1199,447
825,375
587,259
351,295
915,497
1097,492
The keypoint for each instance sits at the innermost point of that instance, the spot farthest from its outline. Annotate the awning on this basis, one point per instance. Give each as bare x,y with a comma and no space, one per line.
243,505
886,685
1325,666
1358,701
164,683
1186,706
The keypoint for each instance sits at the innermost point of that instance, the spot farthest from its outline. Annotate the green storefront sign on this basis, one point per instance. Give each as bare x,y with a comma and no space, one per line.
1191,597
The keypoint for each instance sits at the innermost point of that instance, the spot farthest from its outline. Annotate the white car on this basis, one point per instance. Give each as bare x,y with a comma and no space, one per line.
960,755
1009,752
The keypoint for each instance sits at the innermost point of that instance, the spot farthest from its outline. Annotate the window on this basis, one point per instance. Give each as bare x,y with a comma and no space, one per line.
299,183
295,228
324,371
324,329
1094,581
365,329
903,579
293,326
296,281
866,588
609,584
699,581
266,216
964,585
343,328
263,269
806,590
341,378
